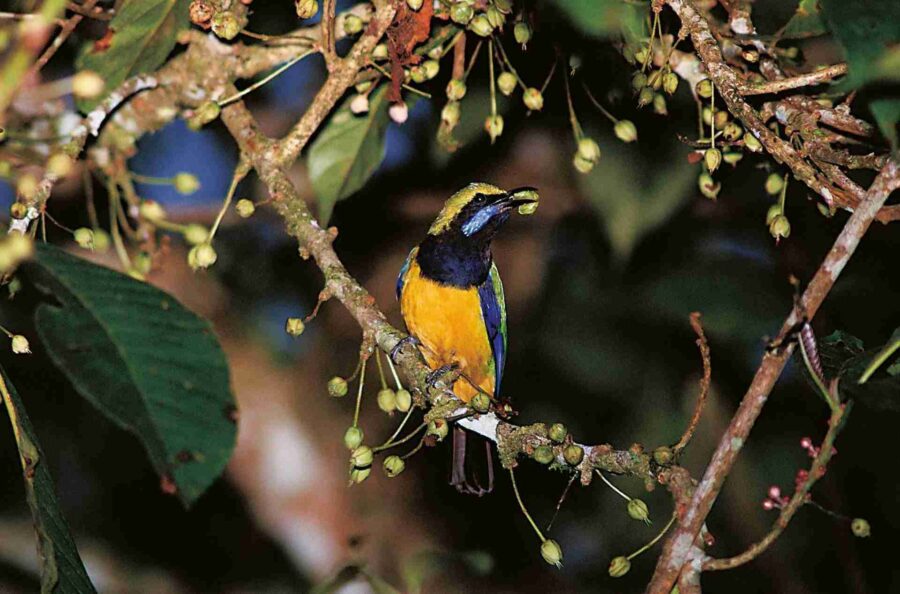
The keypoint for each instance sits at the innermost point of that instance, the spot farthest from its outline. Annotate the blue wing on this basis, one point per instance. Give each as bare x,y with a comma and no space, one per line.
493,310
401,277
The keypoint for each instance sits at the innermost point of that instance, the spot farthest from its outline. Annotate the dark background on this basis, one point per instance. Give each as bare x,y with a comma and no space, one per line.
599,286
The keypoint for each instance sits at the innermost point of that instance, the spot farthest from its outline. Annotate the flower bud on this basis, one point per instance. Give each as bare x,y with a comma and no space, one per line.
551,552
493,125
751,142
20,345
573,454
59,165
204,114
101,241
294,327
306,9
774,211
480,402
655,79
670,83
84,237
732,157
659,104
859,526
152,210
642,54
17,210
638,81
780,227
637,510
721,118
87,84
461,13
774,184
431,68
353,438
456,89
704,88
708,186
399,112
504,6
358,475
522,33
712,157
645,97
359,104
451,112
380,52
506,82
404,400
361,456
732,131
186,183
494,17
393,465
626,131
619,567
543,454
414,4
196,234
437,428
337,387
533,99
225,25
528,208
245,208
558,432
589,149
202,256
581,164
352,24
387,400
663,455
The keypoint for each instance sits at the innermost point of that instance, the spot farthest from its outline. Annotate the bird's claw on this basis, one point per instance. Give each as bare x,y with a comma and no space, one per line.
401,343
438,375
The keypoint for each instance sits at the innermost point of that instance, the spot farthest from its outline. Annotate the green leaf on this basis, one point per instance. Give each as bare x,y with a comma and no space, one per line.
61,568
806,22
147,363
141,36
634,196
348,151
603,18
835,350
866,29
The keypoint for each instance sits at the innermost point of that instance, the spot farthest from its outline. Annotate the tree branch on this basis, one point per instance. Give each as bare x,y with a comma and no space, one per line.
676,550
815,77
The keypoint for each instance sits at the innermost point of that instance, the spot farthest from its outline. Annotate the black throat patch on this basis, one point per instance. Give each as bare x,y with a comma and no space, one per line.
455,261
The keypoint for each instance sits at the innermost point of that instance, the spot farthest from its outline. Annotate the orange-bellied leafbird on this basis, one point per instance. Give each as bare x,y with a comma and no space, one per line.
452,300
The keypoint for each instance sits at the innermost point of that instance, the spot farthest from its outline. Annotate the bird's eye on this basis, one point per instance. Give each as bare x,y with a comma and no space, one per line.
480,199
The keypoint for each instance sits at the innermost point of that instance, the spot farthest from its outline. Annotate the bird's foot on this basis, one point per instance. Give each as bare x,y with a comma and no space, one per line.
458,477
446,374
401,343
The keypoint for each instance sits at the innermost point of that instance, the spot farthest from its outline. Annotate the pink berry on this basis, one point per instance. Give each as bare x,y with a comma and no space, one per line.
768,505
806,443
774,492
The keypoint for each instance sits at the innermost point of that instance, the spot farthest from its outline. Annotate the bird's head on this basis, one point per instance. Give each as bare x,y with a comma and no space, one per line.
475,213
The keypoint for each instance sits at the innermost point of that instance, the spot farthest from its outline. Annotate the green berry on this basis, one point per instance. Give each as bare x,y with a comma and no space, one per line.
533,99
543,454
522,33
774,184
306,8
480,402
780,227
202,256
506,82
708,186
196,234
358,475
712,157
573,454
387,400
551,552
751,142
186,183
361,456
645,97
225,25
353,438
774,211
337,387
637,510
619,567
404,400
84,237
626,131
245,208
589,149
352,24
493,125
558,432
456,89
461,13
294,327
670,83
704,88
860,528
438,428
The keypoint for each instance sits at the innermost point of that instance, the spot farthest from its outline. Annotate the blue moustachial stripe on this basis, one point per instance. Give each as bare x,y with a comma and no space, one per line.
479,220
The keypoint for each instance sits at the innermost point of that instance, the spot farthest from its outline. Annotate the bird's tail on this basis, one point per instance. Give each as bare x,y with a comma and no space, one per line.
459,474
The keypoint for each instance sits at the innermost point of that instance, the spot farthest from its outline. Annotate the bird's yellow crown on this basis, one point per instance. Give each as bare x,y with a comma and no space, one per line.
457,201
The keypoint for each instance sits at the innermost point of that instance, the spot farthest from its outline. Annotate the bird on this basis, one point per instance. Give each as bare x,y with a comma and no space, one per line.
451,299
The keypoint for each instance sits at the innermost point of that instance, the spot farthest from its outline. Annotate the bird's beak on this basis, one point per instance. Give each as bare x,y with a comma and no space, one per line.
520,196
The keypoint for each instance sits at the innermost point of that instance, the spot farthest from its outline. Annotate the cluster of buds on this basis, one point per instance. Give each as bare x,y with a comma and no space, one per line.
463,12
774,499
776,220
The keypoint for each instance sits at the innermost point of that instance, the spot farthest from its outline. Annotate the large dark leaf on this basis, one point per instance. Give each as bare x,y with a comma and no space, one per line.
61,568
602,18
150,365
138,40
866,29
347,152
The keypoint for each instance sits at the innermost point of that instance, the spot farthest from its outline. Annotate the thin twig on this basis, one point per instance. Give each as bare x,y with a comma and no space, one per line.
705,381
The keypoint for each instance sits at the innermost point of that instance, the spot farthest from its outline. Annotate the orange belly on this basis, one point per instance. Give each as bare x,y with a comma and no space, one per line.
449,324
